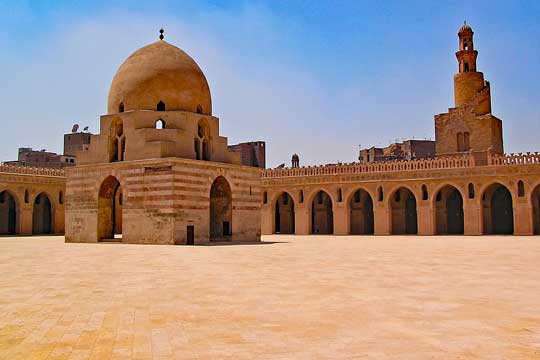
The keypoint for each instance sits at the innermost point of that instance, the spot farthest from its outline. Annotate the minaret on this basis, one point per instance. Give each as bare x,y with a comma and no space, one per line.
469,127
469,83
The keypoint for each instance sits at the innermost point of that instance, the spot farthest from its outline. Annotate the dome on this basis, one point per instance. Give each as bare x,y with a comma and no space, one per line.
465,28
159,73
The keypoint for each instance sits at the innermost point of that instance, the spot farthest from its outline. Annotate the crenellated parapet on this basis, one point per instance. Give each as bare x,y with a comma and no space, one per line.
468,160
28,170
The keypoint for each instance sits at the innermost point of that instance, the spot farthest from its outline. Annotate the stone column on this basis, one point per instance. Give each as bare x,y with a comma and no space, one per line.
472,217
424,216
301,220
267,220
25,219
523,219
381,215
341,219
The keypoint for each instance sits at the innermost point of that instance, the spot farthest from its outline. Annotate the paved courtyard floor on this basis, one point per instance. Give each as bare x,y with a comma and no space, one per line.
289,298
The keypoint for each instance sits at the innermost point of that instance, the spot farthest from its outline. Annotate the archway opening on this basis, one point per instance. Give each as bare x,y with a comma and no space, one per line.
220,210
449,211
498,212
8,214
284,215
403,210
536,210
110,206
322,216
361,221
42,215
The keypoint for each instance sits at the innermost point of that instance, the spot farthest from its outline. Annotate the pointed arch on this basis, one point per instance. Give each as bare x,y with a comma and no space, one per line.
284,214
361,220
535,200
160,106
9,214
42,215
404,218
449,216
322,215
497,210
110,206
220,210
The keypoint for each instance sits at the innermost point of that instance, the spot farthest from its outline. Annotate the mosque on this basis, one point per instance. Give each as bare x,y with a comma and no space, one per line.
159,172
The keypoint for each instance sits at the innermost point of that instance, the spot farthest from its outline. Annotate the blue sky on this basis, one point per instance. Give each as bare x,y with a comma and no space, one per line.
314,77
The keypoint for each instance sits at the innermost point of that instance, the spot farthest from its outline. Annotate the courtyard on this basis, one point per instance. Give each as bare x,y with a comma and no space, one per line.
289,297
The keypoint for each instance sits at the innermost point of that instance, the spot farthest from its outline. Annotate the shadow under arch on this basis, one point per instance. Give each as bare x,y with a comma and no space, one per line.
497,210
361,218
220,210
322,215
9,213
284,216
403,212
535,201
448,206
110,208
42,215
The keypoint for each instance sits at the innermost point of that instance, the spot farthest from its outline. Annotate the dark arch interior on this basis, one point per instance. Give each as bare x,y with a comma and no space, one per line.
160,106
42,215
403,210
8,214
220,210
322,216
361,221
110,204
284,215
536,210
498,212
449,211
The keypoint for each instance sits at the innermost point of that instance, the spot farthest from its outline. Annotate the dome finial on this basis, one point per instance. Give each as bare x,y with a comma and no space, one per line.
161,31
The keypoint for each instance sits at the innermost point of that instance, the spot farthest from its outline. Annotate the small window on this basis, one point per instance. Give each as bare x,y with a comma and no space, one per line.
466,67
160,124
471,191
265,198
61,197
380,193
459,141
521,189
425,194
26,196
301,196
72,161
339,195
121,107
160,106
250,193
466,141
199,109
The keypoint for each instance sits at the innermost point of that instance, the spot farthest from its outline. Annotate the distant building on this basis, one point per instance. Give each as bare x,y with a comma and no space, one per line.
73,142
406,150
77,141
41,158
253,153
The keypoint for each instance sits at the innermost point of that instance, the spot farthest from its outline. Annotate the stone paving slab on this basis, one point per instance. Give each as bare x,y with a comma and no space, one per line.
316,297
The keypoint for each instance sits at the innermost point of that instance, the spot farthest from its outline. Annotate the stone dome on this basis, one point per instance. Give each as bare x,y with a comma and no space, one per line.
159,73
